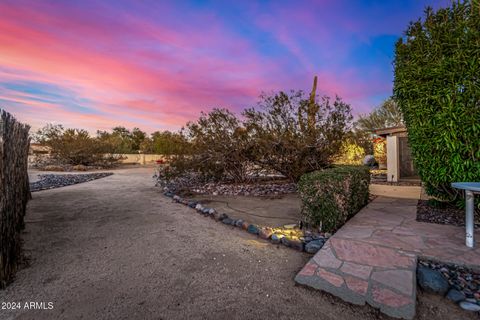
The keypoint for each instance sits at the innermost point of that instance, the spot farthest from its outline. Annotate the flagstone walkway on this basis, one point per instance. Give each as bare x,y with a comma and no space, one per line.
373,257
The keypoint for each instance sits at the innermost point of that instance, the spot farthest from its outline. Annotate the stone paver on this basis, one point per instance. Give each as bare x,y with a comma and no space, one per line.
373,257
357,270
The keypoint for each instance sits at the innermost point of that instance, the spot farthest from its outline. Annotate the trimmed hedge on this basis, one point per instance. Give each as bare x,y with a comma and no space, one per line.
437,87
331,196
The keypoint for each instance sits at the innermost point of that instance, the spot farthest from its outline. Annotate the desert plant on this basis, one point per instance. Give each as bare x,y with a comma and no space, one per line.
360,138
216,147
164,142
387,115
75,146
380,150
121,140
437,86
351,153
294,135
331,196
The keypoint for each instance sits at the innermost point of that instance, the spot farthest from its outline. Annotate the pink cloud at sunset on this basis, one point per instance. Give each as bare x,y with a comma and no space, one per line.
156,65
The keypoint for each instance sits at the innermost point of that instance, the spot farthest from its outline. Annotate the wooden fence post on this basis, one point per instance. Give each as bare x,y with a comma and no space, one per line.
14,192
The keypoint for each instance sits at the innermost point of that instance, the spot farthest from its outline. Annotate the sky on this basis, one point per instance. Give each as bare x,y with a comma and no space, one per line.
157,64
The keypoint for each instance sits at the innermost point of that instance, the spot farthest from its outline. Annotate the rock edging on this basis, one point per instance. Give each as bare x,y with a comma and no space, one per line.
289,235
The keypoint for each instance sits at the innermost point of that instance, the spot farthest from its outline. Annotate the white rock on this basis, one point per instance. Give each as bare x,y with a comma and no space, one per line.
469,306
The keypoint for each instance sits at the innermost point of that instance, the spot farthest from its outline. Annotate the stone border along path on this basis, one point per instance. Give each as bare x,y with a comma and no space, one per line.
373,257
53,181
290,235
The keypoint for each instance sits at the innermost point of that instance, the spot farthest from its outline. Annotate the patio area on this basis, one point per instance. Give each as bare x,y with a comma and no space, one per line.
373,257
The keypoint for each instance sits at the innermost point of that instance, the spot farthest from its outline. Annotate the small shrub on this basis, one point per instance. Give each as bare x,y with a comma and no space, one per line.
351,154
331,196
380,150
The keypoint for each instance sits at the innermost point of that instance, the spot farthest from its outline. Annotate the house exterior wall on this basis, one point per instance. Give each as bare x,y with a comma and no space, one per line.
393,159
407,169
399,154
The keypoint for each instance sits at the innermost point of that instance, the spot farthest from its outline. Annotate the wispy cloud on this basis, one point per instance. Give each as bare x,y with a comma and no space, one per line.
156,65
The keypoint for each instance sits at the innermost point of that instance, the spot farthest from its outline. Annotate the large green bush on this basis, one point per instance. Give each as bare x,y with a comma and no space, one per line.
331,196
437,86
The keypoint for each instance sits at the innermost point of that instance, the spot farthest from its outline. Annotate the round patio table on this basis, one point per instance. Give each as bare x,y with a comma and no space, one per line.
470,188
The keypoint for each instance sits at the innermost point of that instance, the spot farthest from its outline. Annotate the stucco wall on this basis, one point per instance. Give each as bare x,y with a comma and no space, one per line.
141,158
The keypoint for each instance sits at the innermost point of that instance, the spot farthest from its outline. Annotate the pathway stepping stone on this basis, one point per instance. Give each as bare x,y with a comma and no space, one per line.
372,259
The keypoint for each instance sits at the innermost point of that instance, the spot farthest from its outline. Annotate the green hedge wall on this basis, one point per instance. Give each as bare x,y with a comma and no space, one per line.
331,196
437,87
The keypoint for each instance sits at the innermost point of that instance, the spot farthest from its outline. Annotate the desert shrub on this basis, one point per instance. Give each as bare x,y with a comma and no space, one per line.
350,154
75,146
387,115
294,135
380,149
331,196
437,86
121,140
216,148
360,138
164,142
287,134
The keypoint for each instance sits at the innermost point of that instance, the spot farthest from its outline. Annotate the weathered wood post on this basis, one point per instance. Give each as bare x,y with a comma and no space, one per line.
14,192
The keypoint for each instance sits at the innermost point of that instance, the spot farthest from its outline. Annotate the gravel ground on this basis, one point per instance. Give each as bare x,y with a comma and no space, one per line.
192,184
116,248
459,278
52,181
446,215
243,189
383,180
380,177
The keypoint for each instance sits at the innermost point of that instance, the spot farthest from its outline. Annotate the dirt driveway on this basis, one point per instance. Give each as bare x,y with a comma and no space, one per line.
115,248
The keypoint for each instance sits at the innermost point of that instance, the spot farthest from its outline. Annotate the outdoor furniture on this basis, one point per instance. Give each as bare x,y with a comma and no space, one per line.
470,188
